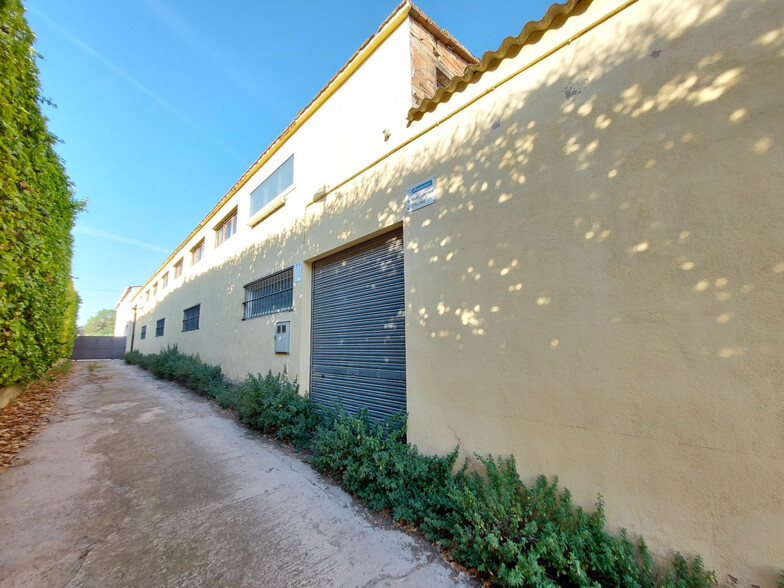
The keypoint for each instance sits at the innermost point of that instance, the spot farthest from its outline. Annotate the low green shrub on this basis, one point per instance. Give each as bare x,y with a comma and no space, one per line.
133,358
272,404
190,370
687,574
372,460
534,536
516,535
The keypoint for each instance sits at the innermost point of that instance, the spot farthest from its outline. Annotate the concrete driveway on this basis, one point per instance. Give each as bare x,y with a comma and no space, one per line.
138,482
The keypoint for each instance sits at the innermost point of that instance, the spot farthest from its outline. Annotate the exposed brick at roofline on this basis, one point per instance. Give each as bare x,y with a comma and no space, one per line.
429,54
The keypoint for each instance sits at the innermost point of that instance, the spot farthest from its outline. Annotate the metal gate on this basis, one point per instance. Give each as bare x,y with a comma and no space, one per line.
358,340
98,348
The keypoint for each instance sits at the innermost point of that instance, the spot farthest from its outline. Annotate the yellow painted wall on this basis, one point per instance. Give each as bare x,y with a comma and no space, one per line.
598,289
345,134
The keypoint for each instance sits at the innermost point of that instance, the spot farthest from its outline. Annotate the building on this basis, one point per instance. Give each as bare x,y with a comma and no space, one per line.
124,315
570,251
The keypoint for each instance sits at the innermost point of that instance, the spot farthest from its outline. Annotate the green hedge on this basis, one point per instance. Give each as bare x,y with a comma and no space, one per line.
514,534
37,301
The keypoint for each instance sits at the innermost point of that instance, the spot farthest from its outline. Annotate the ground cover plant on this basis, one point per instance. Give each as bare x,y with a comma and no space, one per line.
485,518
272,404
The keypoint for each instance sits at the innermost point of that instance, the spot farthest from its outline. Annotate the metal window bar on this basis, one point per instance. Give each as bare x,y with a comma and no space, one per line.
271,294
159,328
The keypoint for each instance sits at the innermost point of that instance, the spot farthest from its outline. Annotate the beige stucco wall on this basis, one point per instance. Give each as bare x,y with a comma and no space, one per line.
8,394
123,317
598,288
343,136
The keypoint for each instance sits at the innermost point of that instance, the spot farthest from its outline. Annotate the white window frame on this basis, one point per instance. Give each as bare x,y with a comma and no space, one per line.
199,247
178,268
226,229
273,203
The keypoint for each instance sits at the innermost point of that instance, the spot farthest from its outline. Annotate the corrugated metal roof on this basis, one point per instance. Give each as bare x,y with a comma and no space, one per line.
491,58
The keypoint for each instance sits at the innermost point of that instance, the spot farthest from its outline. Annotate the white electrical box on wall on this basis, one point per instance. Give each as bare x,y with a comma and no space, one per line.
282,337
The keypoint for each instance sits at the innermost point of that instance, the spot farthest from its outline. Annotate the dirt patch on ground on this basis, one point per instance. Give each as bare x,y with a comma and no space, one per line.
29,413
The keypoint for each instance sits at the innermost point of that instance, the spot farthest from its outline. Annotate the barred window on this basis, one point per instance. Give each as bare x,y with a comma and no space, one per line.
190,318
159,328
144,332
270,294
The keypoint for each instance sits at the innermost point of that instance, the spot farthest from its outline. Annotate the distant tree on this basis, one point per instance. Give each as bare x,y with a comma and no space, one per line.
101,324
38,303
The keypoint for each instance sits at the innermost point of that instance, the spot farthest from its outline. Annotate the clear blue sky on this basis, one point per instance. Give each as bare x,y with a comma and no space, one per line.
163,104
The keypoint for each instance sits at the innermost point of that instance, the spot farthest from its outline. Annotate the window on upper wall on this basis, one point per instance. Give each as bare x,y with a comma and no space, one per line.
277,182
159,328
226,228
178,269
197,253
147,296
143,334
190,318
155,289
273,293
164,280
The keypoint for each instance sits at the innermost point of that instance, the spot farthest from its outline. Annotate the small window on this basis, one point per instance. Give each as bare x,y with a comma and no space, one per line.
268,295
164,280
159,328
277,182
190,318
226,229
155,289
147,294
143,334
178,269
197,253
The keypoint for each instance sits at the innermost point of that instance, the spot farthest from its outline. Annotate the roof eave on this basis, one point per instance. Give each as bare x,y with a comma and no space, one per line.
475,71
390,24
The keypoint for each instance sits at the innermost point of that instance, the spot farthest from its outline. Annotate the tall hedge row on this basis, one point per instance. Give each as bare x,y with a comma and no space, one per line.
38,303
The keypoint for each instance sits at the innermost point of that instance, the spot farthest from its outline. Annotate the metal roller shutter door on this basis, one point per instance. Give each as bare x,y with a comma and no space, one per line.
358,352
